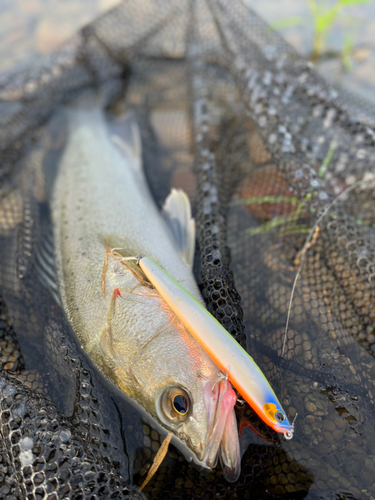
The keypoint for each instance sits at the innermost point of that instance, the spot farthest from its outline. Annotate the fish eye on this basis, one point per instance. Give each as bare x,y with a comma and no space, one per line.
175,404
180,404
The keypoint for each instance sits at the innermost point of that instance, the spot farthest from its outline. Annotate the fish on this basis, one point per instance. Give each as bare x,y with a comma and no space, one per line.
102,212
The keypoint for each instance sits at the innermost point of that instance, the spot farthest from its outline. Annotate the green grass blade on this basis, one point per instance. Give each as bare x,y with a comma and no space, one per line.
288,22
325,19
353,2
327,159
266,199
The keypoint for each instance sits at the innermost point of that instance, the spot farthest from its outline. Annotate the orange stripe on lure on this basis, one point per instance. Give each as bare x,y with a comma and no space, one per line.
228,355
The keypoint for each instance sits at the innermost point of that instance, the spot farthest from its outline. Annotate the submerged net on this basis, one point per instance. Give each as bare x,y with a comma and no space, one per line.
279,167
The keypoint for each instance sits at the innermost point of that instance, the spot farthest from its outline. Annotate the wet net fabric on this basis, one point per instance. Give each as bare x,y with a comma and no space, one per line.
280,170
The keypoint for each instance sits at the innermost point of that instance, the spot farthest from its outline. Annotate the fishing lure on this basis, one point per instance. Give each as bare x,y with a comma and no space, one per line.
229,356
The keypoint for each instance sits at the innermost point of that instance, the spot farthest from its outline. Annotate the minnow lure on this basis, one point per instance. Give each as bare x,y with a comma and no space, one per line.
229,356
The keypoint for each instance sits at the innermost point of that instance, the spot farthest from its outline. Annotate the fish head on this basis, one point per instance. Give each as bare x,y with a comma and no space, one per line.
180,386
211,434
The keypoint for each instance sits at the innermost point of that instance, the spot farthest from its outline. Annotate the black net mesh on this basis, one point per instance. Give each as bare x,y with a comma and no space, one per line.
280,170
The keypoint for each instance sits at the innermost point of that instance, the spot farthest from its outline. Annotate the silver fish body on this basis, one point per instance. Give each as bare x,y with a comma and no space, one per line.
101,201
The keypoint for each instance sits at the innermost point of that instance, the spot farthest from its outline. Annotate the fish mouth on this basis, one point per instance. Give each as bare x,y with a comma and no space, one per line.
222,440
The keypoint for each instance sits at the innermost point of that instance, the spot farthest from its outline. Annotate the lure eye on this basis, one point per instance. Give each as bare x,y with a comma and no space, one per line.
280,417
175,404
273,413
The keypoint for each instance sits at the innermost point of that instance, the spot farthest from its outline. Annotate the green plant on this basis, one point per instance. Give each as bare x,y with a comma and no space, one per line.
327,159
289,221
325,14
324,17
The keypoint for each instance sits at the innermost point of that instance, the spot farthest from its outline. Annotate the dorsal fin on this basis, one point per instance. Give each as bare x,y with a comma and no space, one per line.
127,137
177,213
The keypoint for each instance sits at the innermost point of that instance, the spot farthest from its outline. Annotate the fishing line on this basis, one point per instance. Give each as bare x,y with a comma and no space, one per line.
115,254
221,377
306,246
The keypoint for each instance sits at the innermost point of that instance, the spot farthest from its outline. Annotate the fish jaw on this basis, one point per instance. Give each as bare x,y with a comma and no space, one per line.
222,440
